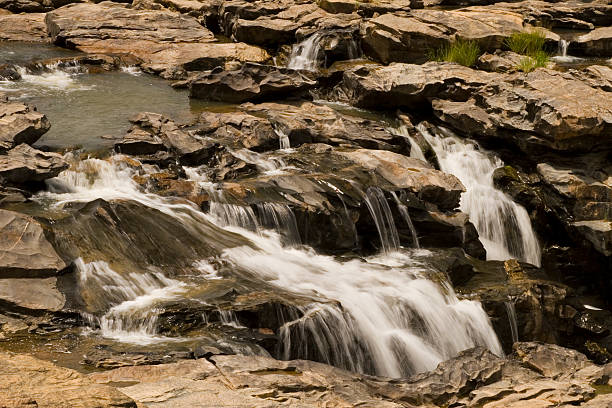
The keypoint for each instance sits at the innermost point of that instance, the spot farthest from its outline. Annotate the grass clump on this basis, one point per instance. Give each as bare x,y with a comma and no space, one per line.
464,52
531,44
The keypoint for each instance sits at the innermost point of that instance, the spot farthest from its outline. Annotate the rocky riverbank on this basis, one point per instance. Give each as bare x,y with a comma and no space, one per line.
280,203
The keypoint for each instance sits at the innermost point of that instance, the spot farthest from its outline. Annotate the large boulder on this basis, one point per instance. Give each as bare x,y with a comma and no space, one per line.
406,38
162,40
24,164
250,82
27,381
409,86
20,123
25,251
533,110
23,27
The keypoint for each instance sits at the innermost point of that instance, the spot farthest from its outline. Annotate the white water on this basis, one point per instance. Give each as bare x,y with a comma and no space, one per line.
304,55
394,319
129,300
53,78
415,150
406,215
132,70
511,311
562,53
503,226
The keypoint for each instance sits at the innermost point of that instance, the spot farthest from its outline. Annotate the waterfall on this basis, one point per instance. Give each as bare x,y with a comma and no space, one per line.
383,219
305,55
415,150
406,216
503,226
280,218
388,314
511,311
283,139
128,301
563,44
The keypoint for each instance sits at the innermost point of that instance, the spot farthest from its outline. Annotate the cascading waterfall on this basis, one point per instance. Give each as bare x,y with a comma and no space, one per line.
305,55
562,56
378,206
404,212
563,44
382,315
415,150
503,226
280,218
511,311
128,301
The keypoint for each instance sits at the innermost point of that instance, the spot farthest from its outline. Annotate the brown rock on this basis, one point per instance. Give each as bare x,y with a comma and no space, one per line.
23,164
20,123
23,27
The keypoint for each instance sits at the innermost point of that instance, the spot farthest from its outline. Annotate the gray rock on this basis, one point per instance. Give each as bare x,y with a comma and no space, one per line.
250,82
33,294
409,86
25,252
24,164
20,123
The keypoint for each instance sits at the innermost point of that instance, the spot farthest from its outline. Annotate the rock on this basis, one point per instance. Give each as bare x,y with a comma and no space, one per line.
409,86
27,381
599,233
153,132
250,82
395,38
596,43
505,61
26,252
596,76
240,380
86,24
161,40
533,111
265,31
550,360
33,294
24,164
367,9
29,27
20,123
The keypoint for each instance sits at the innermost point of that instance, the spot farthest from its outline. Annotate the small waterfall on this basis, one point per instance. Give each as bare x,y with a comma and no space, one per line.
280,218
128,301
415,150
349,220
404,212
265,163
55,77
563,44
381,213
283,139
503,226
228,318
305,55
234,215
511,311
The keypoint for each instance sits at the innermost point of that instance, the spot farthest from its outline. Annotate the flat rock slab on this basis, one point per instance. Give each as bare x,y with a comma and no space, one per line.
25,252
250,82
23,27
409,85
545,107
406,38
20,123
596,43
34,294
23,164
28,382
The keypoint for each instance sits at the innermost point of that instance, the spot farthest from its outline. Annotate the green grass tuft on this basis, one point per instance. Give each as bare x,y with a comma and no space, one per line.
462,52
531,44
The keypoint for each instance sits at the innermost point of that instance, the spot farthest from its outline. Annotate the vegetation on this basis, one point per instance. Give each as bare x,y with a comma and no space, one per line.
530,44
464,52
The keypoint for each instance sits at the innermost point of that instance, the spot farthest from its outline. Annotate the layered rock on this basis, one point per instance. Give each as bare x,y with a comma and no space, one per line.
20,123
24,164
250,82
25,251
396,38
162,40
409,86
534,110
596,43
29,27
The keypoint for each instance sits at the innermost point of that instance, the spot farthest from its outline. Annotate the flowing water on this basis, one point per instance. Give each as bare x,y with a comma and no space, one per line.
503,226
85,109
306,54
388,314
511,311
